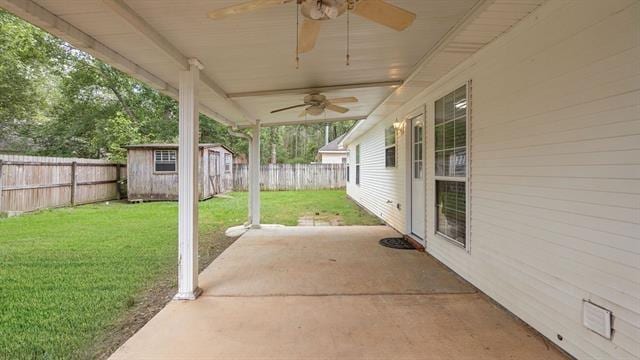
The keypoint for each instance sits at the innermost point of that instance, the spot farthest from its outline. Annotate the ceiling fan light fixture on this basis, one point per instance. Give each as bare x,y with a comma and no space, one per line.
331,12
316,13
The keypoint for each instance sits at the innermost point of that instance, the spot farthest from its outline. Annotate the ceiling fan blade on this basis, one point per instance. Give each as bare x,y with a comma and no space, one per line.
385,14
244,8
344,100
337,108
303,113
287,108
308,35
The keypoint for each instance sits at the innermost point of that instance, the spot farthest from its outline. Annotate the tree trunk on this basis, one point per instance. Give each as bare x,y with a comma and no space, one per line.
274,157
108,77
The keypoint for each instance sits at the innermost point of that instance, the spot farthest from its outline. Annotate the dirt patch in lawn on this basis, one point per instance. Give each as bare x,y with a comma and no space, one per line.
321,219
152,300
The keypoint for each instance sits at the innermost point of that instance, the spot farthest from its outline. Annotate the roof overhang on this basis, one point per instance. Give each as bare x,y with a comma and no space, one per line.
333,151
173,146
247,74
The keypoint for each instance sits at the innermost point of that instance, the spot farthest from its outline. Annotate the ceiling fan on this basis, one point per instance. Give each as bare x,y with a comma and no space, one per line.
317,104
317,11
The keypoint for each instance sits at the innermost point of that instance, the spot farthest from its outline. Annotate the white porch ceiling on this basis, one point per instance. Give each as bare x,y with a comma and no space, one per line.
256,51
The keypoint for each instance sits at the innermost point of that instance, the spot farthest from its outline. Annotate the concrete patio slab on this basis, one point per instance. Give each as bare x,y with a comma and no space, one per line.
324,261
336,327
332,293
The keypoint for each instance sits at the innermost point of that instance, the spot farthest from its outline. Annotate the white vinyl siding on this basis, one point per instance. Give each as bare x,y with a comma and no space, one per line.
380,190
333,157
554,175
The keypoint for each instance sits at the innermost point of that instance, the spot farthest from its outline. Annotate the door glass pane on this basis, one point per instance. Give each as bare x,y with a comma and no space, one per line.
417,169
417,150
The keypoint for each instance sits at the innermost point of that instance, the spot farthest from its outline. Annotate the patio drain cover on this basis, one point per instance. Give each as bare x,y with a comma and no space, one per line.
396,243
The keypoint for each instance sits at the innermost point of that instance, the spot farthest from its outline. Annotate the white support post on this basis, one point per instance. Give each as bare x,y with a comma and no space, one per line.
254,177
188,183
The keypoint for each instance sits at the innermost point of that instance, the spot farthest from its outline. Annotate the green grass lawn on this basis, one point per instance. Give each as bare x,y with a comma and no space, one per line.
67,275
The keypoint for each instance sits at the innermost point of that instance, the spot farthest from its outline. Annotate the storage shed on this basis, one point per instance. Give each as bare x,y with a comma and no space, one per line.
152,171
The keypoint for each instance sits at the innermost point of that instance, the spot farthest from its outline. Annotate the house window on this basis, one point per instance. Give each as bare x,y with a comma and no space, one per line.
227,163
358,164
348,172
451,122
348,165
390,147
165,160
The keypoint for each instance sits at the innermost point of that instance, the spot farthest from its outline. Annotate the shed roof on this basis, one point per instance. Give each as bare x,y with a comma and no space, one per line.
334,146
175,146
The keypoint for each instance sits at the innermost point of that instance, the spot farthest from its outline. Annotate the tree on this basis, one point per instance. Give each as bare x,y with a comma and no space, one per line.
29,61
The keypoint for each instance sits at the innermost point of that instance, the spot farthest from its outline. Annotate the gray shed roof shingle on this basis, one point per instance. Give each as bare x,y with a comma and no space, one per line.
334,145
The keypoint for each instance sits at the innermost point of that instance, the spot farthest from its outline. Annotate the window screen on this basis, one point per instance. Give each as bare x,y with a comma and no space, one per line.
165,160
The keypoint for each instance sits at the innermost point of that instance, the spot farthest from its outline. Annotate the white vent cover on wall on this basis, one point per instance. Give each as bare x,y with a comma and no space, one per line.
596,319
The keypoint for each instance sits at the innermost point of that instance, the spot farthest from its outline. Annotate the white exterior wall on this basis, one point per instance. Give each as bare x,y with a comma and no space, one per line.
332,158
555,172
381,189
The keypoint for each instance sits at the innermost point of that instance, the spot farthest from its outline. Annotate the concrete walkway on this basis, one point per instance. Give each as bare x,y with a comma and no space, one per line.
332,293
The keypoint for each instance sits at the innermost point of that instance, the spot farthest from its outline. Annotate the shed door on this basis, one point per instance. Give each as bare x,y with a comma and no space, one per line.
418,199
214,172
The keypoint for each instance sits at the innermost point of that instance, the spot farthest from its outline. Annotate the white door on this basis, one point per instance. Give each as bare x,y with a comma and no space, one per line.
418,199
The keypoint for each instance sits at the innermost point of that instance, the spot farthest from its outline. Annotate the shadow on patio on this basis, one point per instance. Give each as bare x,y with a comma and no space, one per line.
332,292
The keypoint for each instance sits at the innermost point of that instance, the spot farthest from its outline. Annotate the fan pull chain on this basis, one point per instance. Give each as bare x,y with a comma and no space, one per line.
348,29
297,35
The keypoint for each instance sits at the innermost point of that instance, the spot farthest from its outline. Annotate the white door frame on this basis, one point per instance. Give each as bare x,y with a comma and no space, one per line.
408,136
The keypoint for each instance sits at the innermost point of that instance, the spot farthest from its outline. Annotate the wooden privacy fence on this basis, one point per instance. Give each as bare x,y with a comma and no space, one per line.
293,177
34,182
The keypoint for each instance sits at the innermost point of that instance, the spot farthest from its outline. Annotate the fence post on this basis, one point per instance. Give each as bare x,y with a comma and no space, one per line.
74,183
1,185
118,194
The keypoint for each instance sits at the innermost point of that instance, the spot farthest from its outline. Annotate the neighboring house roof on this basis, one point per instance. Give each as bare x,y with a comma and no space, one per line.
174,146
334,146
